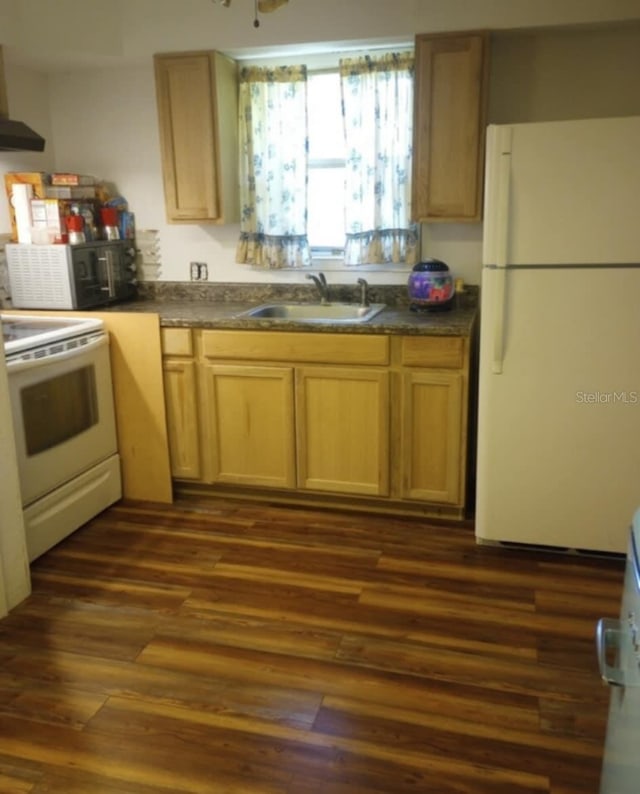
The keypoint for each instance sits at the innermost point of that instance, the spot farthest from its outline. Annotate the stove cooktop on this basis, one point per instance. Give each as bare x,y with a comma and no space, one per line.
25,332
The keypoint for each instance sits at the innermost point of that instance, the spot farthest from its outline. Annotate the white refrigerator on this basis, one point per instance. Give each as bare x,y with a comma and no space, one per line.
558,458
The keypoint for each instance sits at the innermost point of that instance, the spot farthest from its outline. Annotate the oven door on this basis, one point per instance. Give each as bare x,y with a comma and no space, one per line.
63,414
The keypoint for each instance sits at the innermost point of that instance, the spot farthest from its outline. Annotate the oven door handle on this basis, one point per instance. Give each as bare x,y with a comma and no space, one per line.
19,365
608,635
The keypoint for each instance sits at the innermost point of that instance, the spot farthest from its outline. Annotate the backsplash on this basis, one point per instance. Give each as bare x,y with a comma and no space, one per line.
149,265
182,291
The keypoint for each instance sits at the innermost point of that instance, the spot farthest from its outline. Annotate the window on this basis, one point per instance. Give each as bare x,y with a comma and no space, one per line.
327,161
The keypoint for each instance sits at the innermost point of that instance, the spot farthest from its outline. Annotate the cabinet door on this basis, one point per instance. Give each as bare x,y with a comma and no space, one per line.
432,443
342,430
449,121
197,107
250,418
182,418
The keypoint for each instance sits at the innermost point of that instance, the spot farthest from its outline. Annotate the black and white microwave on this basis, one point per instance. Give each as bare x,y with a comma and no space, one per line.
80,276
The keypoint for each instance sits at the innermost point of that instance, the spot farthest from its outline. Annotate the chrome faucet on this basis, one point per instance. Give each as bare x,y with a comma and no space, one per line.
364,294
321,283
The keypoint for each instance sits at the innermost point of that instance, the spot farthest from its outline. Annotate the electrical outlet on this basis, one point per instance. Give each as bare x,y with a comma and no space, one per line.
199,271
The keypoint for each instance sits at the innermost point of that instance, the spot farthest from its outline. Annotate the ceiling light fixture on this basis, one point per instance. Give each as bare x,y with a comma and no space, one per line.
260,7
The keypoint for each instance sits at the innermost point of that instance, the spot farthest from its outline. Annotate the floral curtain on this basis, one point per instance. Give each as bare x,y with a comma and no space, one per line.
377,101
273,167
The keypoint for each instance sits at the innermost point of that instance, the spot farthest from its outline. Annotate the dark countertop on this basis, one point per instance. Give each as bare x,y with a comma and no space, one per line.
391,320
197,308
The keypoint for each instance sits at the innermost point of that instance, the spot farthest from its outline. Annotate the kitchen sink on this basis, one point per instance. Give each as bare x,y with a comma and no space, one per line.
314,312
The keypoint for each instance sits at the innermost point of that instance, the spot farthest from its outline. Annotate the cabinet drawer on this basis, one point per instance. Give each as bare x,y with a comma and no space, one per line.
446,352
176,342
294,347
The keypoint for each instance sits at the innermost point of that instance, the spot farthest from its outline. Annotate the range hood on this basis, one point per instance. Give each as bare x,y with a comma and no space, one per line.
15,136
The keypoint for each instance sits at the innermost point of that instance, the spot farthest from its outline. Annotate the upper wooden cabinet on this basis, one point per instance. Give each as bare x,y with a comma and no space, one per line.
197,95
449,126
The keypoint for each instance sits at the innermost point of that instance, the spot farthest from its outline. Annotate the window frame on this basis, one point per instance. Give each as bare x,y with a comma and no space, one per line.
318,61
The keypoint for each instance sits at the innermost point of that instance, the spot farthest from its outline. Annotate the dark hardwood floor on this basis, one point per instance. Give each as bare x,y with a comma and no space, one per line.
216,647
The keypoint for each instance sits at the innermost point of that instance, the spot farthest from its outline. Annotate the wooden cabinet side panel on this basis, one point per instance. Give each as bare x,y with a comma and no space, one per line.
250,436
342,418
449,120
136,360
185,92
226,134
183,427
432,436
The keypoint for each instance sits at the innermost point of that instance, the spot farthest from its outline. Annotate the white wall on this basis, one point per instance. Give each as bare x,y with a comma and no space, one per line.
102,120
553,75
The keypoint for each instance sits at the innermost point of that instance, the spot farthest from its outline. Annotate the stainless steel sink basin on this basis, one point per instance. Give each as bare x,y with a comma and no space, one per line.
315,312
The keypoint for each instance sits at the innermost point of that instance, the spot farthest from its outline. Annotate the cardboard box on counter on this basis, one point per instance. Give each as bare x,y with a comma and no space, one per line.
69,192
21,196
74,180
38,181
50,215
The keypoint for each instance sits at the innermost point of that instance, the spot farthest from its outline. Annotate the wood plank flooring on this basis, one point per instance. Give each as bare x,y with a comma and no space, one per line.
216,647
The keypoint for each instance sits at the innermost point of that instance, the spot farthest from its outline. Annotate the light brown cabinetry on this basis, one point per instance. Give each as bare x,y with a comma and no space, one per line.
449,123
379,419
335,439
181,403
197,112
433,418
249,433
431,436
342,429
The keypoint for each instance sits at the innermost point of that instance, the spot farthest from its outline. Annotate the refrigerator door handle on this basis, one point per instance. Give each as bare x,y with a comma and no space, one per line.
500,278
608,635
501,232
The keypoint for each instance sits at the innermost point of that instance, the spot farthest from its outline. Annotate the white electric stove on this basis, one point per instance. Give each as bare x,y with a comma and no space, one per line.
61,395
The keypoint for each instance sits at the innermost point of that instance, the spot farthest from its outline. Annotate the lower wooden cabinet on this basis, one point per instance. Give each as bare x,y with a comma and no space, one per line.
180,393
342,429
432,436
181,403
377,418
249,424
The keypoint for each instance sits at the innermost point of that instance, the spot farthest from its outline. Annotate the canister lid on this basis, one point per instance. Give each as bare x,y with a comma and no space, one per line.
431,265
